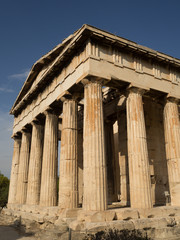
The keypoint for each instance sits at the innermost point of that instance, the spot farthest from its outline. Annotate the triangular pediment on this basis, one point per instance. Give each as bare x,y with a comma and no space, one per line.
39,68
46,66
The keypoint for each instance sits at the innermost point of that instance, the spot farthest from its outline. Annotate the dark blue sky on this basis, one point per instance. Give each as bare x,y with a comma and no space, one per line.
29,29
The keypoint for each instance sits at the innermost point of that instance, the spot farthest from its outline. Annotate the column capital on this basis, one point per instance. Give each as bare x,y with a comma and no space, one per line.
137,89
35,121
87,81
170,98
72,97
16,136
25,130
49,111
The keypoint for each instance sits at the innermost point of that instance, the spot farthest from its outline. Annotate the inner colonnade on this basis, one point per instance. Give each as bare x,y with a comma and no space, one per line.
114,105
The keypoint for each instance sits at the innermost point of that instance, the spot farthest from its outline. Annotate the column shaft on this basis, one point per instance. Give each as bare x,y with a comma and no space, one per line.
117,164
110,157
139,175
172,140
95,182
14,171
80,166
35,162
48,191
123,157
23,168
68,181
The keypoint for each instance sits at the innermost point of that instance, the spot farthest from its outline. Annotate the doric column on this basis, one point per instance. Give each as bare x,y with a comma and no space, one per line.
48,191
23,168
68,179
139,175
110,158
35,162
172,140
95,182
123,157
80,166
14,171
117,165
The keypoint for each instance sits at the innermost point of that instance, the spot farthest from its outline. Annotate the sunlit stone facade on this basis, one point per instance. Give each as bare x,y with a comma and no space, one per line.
114,107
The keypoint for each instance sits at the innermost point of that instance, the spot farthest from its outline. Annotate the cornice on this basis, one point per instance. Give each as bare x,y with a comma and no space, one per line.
68,47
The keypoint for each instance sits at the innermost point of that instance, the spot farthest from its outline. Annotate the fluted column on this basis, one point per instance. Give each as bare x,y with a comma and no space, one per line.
110,157
123,157
139,175
35,163
172,140
95,182
80,166
117,165
14,171
23,168
68,179
48,191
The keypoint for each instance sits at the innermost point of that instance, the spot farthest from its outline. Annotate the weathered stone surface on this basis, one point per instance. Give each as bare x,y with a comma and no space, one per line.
94,172
139,173
32,217
21,191
68,180
157,228
172,137
159,212
35,163
14,171
53,211
80,165
7,211
123,157
101,216
76,225
89,67
96,216
82,214
120,224
60,223
50,219
95,227
126,214
68,213
149,223
153,112
48,192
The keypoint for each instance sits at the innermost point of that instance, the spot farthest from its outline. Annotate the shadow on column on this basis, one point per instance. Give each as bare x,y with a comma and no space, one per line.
123,158
156,150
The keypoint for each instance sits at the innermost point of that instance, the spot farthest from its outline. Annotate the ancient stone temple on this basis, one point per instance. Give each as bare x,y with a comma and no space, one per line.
114,107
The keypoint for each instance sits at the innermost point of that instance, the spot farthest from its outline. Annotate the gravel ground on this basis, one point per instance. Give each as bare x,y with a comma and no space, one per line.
10,233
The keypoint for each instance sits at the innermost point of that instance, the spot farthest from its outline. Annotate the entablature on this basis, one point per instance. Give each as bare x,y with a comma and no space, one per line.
91,52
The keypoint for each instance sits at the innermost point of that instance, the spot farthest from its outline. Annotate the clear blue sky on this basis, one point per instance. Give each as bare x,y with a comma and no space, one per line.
29,29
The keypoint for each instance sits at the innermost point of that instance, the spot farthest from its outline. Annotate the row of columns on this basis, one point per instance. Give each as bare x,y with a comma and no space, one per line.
36,177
